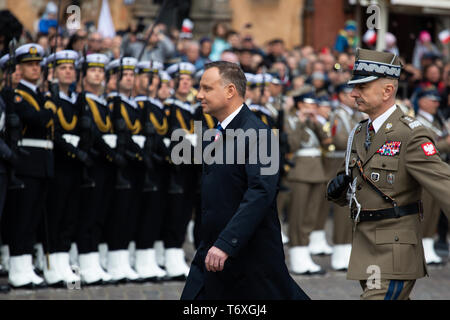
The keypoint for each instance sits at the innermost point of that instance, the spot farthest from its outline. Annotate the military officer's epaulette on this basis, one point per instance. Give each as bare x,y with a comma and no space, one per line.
183,105
410,122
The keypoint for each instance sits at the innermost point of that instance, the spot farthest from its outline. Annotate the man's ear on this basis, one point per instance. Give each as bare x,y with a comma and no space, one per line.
230,91
389,90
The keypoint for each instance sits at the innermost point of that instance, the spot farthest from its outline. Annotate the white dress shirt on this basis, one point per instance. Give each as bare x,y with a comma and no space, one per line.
228,119
378,122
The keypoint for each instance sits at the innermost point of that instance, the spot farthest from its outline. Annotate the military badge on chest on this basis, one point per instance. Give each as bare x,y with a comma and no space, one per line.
390,148
390,178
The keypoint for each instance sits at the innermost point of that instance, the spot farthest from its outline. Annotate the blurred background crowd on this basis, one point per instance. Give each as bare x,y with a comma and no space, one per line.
300,44
425,53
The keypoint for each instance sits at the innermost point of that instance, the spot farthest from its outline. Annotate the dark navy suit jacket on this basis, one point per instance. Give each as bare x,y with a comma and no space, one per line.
239,216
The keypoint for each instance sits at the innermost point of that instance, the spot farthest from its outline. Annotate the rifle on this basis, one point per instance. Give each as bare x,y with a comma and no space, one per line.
175,187
120,130
53,86
150,141
158,17
86,137
13,124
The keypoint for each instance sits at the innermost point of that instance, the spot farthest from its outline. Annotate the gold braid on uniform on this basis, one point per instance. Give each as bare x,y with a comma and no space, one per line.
29,98
49,105
264,119
209,121
136,127
161,129
102,126
66,125
182,123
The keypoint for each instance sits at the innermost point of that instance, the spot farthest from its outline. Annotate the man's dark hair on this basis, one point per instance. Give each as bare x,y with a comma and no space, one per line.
230,73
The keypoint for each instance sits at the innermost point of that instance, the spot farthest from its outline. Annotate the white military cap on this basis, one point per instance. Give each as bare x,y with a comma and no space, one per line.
262,78
94,60
64,56
128,63
29,52
250,79
164,76
149,66
4,61
181,68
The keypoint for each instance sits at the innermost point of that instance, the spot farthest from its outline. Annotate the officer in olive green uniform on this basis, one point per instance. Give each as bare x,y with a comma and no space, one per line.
305,137
318,244
428,100
388,159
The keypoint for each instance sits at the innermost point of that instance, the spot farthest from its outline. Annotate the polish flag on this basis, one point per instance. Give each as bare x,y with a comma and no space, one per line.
105,24
444,36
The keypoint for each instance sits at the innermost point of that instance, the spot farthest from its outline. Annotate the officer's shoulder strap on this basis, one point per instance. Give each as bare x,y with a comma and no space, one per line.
410,122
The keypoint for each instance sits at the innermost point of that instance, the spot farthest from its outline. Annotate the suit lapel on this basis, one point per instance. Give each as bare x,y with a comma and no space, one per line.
380,136
238,119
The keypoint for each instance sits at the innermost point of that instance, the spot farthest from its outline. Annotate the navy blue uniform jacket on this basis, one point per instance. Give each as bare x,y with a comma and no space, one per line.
239,216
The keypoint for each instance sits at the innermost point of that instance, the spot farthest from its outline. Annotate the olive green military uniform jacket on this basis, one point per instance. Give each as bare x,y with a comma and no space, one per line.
305,141
394,245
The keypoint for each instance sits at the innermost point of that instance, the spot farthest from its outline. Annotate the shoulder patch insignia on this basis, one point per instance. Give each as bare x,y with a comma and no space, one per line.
18,98
429,149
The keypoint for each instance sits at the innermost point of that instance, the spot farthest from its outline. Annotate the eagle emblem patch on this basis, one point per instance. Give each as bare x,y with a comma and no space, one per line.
429,149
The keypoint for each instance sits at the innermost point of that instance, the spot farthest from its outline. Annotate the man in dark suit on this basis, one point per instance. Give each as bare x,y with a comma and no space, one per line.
241,254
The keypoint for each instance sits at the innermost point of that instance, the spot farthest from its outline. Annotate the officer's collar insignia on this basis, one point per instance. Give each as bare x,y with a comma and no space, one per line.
390,148
388,126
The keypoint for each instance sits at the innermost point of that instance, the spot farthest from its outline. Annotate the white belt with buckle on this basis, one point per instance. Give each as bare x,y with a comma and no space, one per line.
110,140
335,154
36,143
139,140
72,139
309,152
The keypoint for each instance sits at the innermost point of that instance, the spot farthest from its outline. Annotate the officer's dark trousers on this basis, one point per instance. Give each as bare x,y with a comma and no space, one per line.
151,213
94,206
121,221
63,205
180,209
25,208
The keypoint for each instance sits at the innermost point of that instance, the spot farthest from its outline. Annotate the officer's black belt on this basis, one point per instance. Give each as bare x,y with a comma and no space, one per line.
389,213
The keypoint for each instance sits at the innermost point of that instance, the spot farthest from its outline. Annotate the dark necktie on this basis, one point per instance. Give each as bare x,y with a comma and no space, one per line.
369,137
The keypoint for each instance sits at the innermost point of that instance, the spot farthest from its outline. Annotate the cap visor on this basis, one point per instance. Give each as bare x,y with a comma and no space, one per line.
361,79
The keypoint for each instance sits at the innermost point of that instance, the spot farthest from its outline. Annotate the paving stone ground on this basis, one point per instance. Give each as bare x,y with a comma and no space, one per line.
331,286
